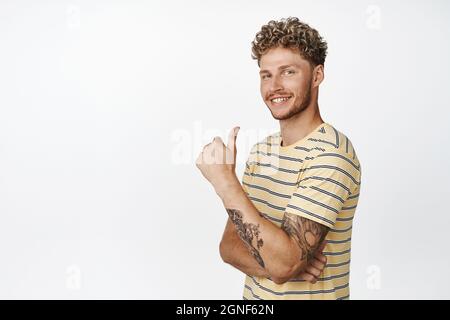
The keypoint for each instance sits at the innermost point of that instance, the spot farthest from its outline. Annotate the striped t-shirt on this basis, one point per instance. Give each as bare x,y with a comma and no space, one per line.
318,178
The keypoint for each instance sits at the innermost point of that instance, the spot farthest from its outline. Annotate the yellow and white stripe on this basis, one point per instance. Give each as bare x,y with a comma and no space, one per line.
318,178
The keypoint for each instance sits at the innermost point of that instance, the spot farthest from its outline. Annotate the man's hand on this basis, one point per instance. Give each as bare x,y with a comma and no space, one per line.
315,266
217,162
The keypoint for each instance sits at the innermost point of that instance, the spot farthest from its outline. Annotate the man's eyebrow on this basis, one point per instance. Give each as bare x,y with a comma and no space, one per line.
279,68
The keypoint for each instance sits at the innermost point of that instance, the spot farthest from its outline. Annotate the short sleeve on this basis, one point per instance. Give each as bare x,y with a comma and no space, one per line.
325,184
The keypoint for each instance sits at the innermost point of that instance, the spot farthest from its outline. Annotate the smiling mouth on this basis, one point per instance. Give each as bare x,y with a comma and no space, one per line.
280,100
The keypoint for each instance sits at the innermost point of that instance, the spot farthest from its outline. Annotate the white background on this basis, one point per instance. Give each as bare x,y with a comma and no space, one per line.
105,105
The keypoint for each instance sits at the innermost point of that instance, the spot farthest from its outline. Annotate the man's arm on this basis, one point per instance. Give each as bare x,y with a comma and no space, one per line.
307,234
282,252
235,252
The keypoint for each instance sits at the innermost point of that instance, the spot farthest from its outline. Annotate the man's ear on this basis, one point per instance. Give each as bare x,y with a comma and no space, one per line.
318,75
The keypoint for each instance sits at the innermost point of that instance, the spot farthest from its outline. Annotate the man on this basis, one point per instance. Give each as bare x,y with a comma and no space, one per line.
300,186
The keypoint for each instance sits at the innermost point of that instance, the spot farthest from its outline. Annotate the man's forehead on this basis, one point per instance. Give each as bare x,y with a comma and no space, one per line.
279,58
278,65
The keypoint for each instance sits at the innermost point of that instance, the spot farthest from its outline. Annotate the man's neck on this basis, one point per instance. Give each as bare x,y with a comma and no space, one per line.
300,125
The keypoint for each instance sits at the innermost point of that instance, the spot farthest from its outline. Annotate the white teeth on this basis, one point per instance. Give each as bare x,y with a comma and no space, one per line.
278,100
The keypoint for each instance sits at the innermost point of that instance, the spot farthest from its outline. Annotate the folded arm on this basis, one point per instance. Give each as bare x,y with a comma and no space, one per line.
282,252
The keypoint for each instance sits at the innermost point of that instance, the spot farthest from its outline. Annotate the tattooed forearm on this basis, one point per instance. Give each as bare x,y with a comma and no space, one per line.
307,233
248,232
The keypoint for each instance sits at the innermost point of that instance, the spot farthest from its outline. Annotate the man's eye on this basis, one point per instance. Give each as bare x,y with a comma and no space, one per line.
264,77
289,72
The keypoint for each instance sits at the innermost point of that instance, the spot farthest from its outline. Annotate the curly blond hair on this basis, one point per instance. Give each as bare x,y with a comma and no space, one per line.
290,33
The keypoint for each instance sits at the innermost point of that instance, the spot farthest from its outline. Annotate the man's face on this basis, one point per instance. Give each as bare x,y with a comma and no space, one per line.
286,80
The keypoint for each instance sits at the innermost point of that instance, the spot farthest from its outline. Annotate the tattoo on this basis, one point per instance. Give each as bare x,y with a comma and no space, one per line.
307,234
248,232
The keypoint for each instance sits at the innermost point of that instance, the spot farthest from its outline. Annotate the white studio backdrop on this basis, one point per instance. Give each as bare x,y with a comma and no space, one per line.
104,106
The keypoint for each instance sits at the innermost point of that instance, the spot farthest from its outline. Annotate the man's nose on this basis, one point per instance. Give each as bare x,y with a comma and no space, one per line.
276,84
